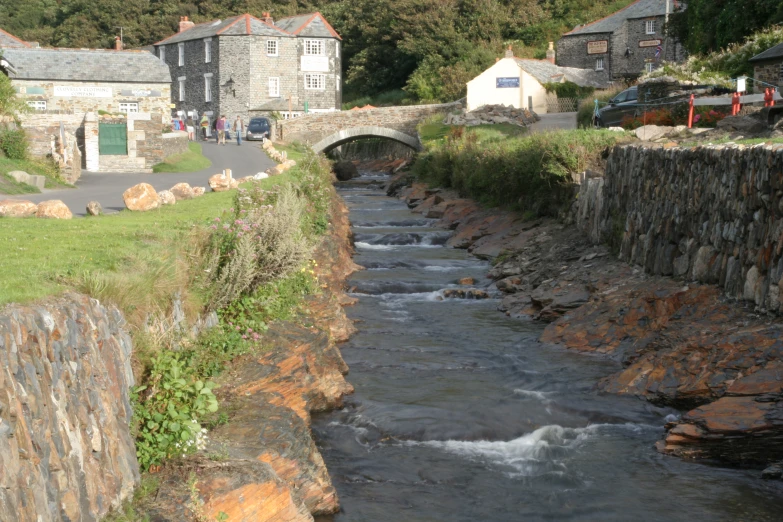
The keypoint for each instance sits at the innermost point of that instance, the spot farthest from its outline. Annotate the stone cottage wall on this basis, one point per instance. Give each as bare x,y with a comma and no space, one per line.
44,136
709,214
572,52
768,72
66,452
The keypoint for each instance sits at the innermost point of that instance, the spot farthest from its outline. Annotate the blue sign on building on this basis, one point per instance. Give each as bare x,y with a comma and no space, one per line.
506,83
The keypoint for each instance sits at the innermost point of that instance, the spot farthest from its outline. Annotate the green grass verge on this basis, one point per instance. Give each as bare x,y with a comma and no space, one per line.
40,168
438,132
193,160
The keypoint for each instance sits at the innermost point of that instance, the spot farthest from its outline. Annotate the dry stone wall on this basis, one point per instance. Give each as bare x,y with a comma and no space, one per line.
66,453
710,214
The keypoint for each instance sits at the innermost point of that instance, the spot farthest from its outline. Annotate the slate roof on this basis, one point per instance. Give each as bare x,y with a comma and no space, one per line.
546,72
609,24
9,41
236,25
87,65
313,25
769,54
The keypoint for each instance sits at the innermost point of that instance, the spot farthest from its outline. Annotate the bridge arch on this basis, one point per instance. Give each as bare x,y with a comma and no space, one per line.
369,131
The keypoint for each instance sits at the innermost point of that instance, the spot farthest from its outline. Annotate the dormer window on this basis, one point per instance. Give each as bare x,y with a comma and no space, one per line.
314,48
649,26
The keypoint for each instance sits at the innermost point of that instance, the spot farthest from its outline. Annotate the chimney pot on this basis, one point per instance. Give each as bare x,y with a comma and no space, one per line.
185,23
267,17
117,43
550,53
509,52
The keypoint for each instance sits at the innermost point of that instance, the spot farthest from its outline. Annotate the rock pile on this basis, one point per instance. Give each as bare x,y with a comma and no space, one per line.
493,114
53,209
143,197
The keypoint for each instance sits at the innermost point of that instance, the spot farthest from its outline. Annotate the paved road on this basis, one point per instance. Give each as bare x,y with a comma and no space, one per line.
557,121
107,189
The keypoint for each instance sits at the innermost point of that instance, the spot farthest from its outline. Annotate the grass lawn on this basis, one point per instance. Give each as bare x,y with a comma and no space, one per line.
432,132
43,257
190,161
9,186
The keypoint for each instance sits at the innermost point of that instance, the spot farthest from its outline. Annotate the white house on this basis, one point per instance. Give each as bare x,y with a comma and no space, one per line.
520,82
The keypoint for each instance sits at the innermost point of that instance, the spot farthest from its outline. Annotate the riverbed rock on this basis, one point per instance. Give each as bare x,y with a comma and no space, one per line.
167,197
467,281
53,209
94,208
461,293
17,208
345,170
182,191
141,198
198,191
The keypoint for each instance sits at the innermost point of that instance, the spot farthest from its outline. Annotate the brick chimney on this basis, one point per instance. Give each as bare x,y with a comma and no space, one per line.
267,17
185,23
550,53
117,43
509,52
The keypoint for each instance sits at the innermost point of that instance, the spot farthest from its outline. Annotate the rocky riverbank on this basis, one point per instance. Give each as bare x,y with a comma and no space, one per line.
680,344
261,462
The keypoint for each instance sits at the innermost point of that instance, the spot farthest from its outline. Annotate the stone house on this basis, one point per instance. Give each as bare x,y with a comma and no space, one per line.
113,103
768,67
250,66
520,83
625,44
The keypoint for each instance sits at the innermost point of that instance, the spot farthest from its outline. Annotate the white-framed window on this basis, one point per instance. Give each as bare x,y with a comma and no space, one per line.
181,80
181,48
274,87
207,50
37,105
649,67
336,49
599,64
127,107
208,87
271,48
315,81
162,53
338,81
314,48
291,115
649,26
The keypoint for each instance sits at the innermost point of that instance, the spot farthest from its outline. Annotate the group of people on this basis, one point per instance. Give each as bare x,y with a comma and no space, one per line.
220,128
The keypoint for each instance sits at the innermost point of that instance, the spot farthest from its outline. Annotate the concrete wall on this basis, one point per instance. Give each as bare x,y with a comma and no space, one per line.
66,452
710,214
158,103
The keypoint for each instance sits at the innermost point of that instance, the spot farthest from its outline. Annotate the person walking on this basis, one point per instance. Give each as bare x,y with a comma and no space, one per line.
190,126
221,130
239,128
204,124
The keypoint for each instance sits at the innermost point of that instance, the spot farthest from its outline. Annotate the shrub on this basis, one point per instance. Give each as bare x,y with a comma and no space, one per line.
568,90
584,115
651,117
14,144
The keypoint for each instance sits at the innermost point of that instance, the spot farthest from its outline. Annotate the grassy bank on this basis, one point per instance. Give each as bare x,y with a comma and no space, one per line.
530,173
40,168
191,160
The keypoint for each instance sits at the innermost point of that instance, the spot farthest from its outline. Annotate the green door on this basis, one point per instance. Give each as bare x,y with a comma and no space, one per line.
113,139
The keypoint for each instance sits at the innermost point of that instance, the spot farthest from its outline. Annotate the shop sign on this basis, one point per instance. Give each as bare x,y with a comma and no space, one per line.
82,91
598,47
507,83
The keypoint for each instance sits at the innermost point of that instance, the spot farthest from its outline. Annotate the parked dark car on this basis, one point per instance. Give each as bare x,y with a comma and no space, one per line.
258,128
624,104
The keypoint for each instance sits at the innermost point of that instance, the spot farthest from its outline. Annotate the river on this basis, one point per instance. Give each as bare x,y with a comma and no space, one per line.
460,414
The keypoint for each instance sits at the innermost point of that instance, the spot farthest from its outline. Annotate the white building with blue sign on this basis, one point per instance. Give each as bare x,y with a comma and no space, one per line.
520,83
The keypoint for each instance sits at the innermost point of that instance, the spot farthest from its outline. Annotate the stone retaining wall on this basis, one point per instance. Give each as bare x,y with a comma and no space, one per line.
710,214
174,143
66,452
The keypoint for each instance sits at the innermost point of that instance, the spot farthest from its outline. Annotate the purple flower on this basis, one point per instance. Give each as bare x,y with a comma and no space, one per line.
217,219
213,227
226,227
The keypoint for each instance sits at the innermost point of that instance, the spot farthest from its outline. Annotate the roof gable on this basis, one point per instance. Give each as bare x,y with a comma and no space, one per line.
769,54
9,41
546,72
313,25
87,65
609,24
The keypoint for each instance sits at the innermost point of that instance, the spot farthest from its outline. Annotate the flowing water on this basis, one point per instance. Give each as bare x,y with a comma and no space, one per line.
460,414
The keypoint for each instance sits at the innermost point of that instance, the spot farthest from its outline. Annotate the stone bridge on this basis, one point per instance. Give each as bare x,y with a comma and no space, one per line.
324,131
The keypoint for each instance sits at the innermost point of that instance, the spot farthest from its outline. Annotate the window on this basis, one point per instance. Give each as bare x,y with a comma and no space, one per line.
314,47
315,81
649,26
181,88
181,54
649,67
37,105
127,107
271,47
207,50
208,87
599,64
339,82
162,53
336,49
274,87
